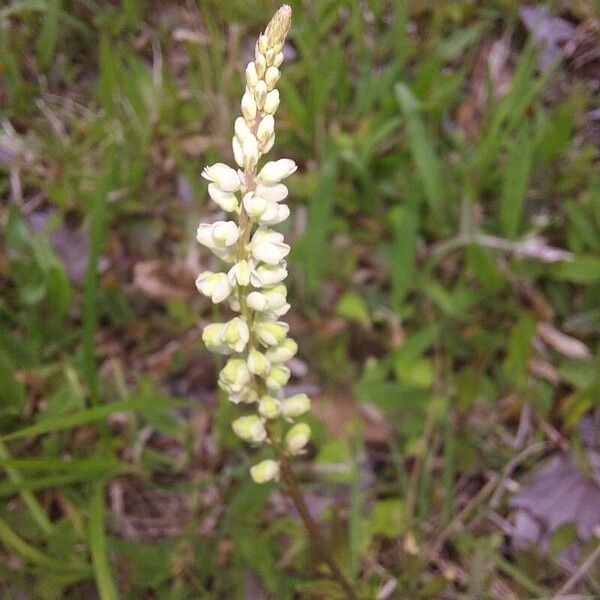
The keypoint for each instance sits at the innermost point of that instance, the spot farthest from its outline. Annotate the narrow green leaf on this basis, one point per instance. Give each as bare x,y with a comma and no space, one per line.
583,269
404,222
97,539
423,153
38,513
514,185
46,42
83,417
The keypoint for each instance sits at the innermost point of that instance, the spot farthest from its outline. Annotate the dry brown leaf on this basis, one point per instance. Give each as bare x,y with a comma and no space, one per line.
561,342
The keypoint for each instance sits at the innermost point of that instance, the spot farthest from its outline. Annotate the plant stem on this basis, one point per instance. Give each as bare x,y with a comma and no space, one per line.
311,525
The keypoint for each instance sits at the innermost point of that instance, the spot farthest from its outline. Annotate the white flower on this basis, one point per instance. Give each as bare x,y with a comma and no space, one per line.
219,235
271,102
297,438
268,275
212,336
278,376
254,205
269,247
235,376
269,407
226,200
276,170
247,395
274,213
250,429
264,471
257,301
225,233
275,192
272,300
223,176
258,363
295,406
276,296
216,286
236,334
283,352
271,333
278,59
239,273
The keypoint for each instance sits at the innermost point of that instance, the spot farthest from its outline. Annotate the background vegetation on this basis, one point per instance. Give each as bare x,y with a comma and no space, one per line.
445,293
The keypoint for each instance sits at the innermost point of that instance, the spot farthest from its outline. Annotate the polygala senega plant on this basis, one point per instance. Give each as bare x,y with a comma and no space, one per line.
256,340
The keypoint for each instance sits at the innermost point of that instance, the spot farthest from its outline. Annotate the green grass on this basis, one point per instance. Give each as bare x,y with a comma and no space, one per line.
420,167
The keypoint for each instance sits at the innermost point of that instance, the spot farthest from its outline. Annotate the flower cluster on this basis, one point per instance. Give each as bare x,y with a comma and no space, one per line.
256,340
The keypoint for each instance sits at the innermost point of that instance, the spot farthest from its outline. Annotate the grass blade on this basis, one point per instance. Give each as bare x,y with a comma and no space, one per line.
423,154
97,540
37,512
89,415
515,182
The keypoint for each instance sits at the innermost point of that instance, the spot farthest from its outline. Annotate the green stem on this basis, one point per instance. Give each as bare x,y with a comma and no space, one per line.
314,531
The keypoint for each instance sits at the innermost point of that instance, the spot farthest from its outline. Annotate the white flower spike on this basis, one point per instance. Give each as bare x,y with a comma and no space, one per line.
254,196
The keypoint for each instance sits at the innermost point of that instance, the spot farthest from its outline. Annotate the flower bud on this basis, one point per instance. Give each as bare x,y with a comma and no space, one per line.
283,352
241,129
269,247
225,200
258,363
278,376
236,334
275,192
223,176
257,301
276,170
295,406
271,102
263,43
297,438
270,333
215,286
264,471
269,407
251,75
254,205
248,107
261,65
266,146
276,296
239,273
267,275
269,56
266,128
272,77
238,152
260,94
250,429
250,149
